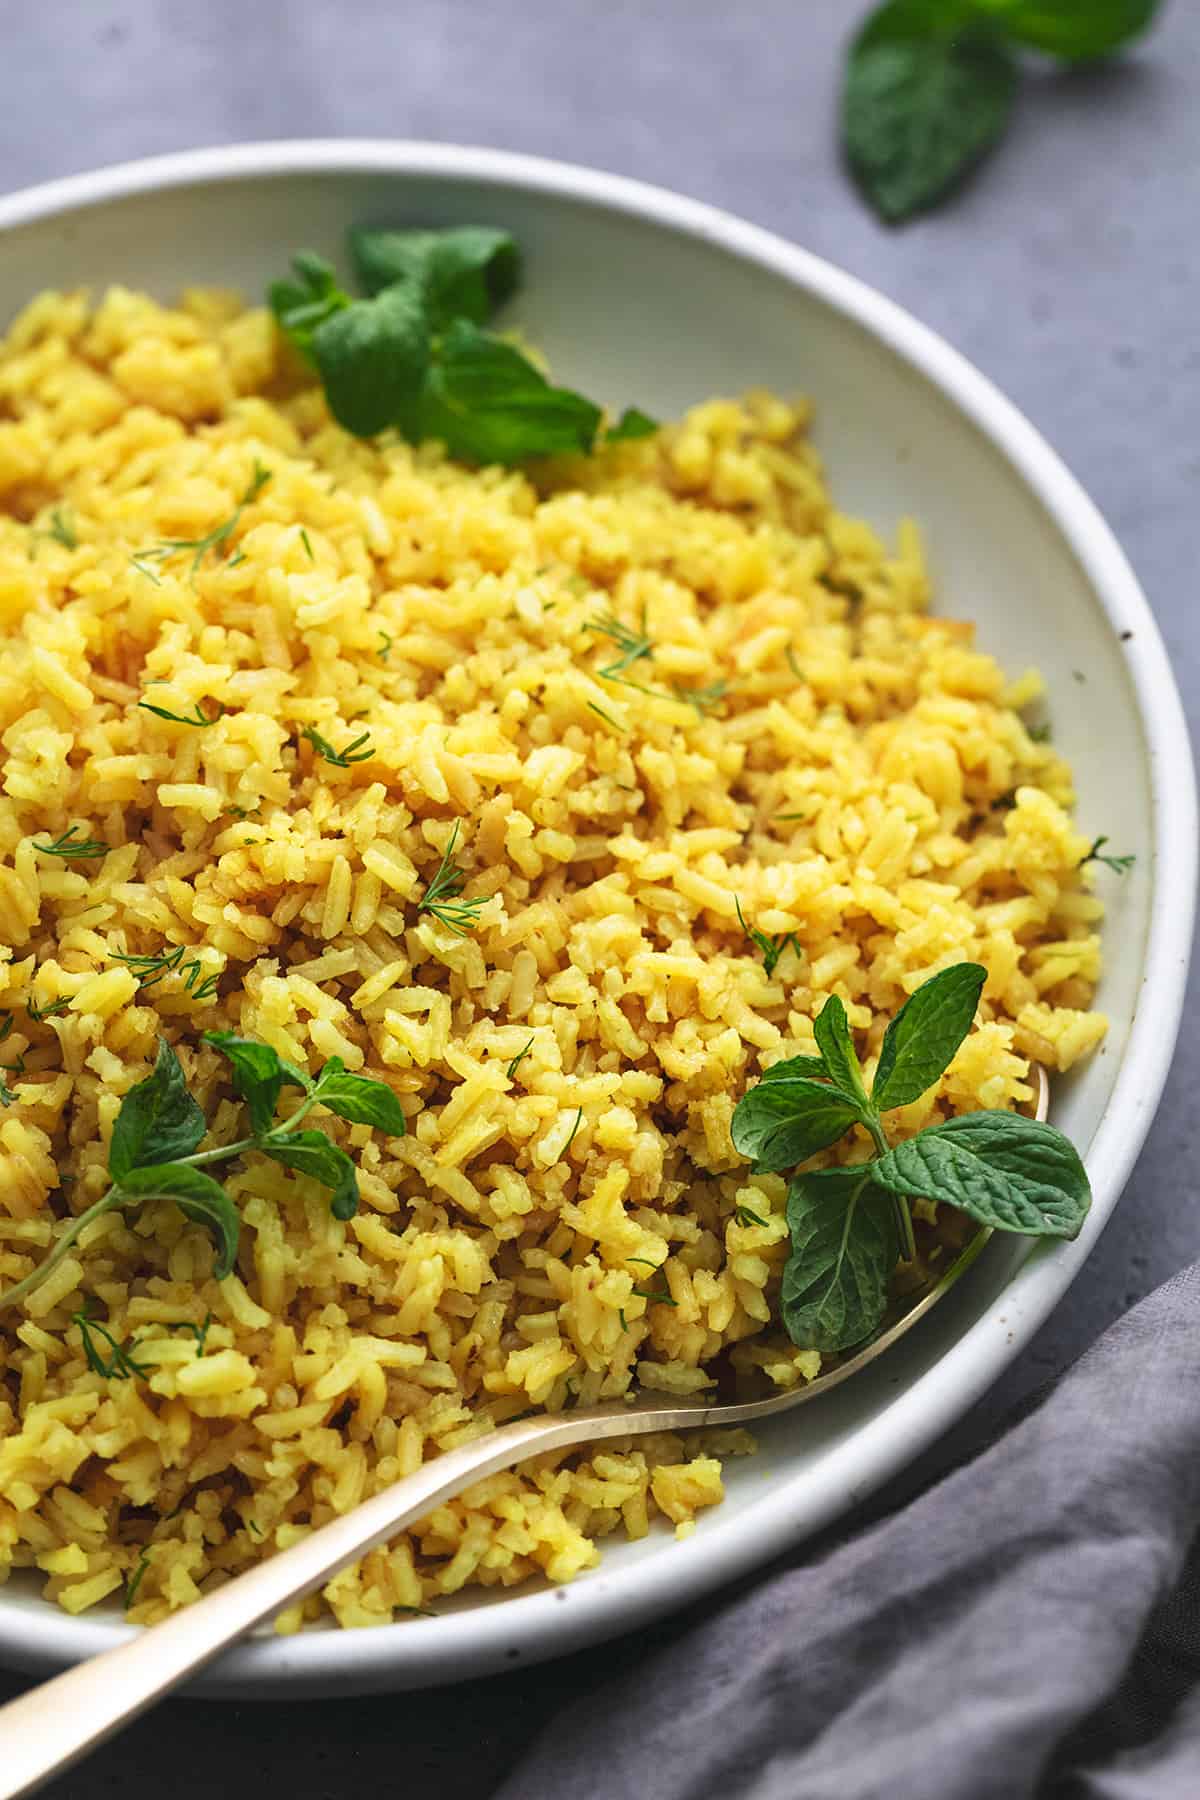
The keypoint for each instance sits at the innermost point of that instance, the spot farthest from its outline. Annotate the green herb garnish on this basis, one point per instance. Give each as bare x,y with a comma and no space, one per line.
212,541
571,1138
197,717
850,1226
606,716
633,645
305,540
1038,734
414,355
517,1060
134,1581
745,1216
151,968
1120,865
120,1363
386,640
73,847
930,84
153,1155
61,530
442,896
38,1013
769,948
704,699
360,750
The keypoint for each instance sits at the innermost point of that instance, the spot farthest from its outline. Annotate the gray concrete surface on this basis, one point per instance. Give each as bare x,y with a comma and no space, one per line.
1069,272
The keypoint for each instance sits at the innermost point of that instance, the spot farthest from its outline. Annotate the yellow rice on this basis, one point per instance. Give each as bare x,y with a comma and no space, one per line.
866,782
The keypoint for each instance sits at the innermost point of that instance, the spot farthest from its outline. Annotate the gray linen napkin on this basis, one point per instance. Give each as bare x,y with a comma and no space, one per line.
1028,1626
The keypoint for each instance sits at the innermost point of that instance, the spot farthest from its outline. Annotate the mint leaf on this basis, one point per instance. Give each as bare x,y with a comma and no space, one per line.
927,92
158,1120
198,1197
312,1153
488,404
922,1039
831,1029
301,305
844,1248
787,1119
358,1098
258,1074
1009,1172
1073,29
465,272
372,356
633,423
813,1066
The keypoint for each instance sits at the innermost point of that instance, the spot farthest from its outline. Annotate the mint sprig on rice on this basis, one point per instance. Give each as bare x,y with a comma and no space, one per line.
413,355
153,1151
851,1226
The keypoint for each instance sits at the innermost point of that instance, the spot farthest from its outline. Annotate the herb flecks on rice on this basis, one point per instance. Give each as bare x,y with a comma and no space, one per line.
567,1214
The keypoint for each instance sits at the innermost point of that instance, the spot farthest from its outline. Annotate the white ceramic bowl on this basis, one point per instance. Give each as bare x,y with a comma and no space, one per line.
639,296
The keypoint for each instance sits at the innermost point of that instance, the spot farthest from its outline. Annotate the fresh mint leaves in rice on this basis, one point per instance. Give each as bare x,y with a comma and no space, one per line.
567,1212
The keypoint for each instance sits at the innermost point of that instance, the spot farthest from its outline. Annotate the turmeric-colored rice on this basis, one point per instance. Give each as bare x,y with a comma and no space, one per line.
864,779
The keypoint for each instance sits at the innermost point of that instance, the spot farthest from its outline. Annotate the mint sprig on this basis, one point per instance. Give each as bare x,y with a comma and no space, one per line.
153,1154
414,355
929,85
850,1226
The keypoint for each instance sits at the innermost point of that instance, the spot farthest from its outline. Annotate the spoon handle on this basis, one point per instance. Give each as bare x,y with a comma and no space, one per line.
49,1728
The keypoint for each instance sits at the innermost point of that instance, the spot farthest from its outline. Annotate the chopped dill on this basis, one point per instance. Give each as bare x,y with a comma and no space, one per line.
517,1060
134,1580
193,718
1120,865
306,541
660,1296
442,897
633,645
199,1332
574,1129
1038,734
787,818
623,1319
120,1365
746,1216
770,948
151,969
793,665
38,1013
9,1021
386,640
239,556
607,717
61,530
72,847
644,1261
214,540
255,1530
704,699
341,759
242,812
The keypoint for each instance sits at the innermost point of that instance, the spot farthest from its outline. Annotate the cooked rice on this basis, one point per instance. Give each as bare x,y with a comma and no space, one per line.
866,782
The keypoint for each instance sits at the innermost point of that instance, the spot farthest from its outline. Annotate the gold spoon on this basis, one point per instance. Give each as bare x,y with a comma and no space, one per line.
49,1728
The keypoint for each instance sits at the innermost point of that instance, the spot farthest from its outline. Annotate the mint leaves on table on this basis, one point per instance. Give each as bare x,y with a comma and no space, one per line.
851,1225
929,84
415,354
153,1154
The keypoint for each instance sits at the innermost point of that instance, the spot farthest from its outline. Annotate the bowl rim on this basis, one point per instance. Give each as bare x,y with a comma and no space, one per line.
527,1628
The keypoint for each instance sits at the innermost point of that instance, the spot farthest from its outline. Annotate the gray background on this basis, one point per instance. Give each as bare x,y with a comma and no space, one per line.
1067,271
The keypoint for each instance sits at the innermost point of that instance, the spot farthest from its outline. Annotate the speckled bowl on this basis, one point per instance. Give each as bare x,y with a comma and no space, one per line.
640,296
